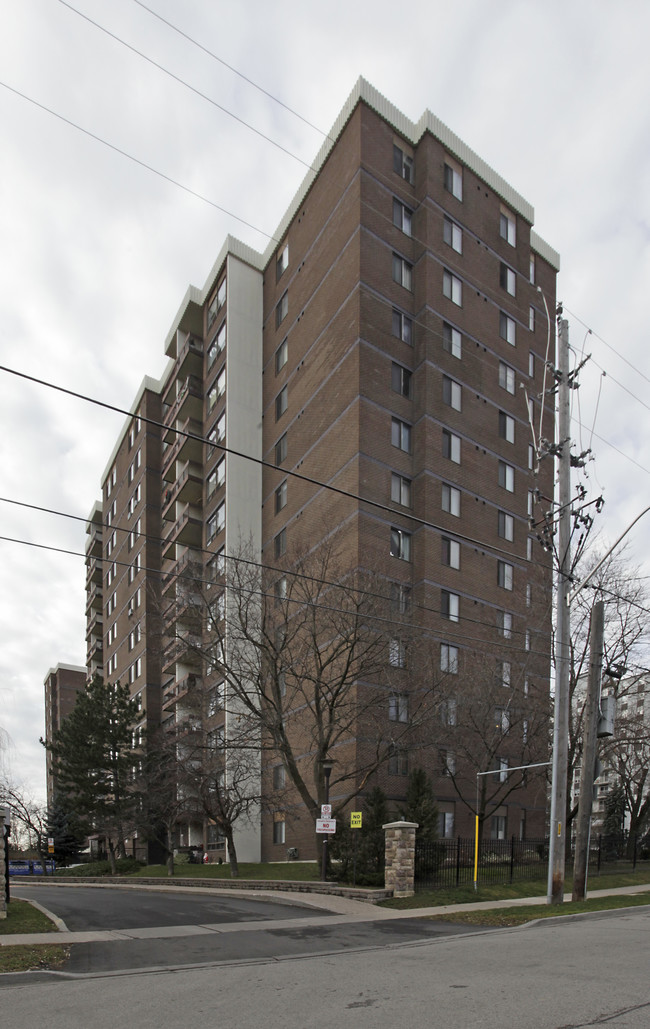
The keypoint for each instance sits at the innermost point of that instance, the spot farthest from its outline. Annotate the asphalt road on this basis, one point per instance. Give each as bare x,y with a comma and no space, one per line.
84,908
206,928
570,973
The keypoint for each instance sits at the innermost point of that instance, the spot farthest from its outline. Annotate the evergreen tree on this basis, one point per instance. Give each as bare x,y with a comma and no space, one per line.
614,811
420,806
94,761
67,831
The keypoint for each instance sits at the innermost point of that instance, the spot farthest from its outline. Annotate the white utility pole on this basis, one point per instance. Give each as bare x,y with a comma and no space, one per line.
557,848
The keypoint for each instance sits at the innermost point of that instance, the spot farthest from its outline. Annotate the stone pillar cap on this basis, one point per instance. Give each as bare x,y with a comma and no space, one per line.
401,825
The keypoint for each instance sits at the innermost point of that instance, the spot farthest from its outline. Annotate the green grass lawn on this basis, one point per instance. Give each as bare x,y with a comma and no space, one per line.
23,918
527,912
536,888
294,871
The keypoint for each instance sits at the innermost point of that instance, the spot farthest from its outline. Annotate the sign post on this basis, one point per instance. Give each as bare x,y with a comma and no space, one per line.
356,819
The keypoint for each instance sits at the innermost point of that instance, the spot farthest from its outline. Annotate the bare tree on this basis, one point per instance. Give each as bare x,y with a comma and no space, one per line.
626,599
29,816
305,658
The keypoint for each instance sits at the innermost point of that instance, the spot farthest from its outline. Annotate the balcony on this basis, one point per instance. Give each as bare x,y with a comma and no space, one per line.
179,690
95,623
184,607
95,649
186,531
185,649
94,598
184,448
188,488
94,542
188,567
93,571
189,401
188,362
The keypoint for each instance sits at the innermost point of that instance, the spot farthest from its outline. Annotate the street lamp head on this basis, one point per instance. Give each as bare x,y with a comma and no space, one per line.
327,765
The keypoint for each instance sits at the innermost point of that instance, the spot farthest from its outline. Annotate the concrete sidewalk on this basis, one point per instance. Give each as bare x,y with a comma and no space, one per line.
341,911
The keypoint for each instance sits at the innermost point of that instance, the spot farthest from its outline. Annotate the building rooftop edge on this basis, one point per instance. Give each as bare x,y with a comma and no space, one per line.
413,131
65,668
154,385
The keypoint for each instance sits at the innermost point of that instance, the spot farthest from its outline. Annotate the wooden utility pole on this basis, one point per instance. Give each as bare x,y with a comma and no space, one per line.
589,747
557,847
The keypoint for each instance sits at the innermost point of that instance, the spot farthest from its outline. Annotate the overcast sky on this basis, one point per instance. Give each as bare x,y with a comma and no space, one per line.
96,252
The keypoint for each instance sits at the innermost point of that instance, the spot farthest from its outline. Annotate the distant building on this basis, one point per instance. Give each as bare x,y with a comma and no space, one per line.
62,685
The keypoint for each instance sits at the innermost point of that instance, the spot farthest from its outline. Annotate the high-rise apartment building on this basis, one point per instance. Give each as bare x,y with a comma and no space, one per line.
391,343
62,685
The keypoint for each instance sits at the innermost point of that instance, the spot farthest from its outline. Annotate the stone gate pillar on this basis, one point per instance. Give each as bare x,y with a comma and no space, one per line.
3,864
400,857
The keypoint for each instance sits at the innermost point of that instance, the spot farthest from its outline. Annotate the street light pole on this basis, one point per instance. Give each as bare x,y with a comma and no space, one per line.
327,764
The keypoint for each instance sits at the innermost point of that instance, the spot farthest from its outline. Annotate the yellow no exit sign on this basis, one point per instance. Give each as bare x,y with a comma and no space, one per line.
355,819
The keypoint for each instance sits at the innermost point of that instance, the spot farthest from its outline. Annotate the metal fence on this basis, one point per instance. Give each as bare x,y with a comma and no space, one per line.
447,863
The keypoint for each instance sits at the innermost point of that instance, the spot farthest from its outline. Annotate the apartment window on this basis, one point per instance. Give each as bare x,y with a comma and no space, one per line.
280,543
397,654
527,640
402,272
281,590
531,269
211,528
531,503
398,762
451,446
402,327
506,526
401,380
217,302
506,427
278,831
281,496
529,594
452,287
453,178
219,430
221,472
506,477
446,825
507,329
505,674
505,575
282,308
449,659
450,552
529,548
498,827
453,235
504,624
282,261
531,318
403,164
221,383
452,340
281,449
401,435
449,711
506,377
221,516
398,707
448,762
400,490
450,605
501,720
507,279
508,226
451,393
531,456
217,346
281,402
281,355
279,777
400,598
211,484
402,216
524,730
400,544
451,499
